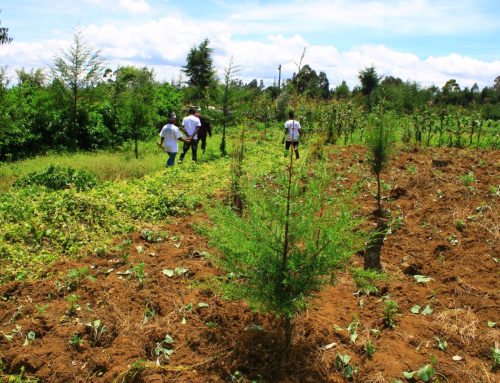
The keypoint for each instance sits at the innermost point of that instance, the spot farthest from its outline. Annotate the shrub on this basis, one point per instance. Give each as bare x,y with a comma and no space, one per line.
57,178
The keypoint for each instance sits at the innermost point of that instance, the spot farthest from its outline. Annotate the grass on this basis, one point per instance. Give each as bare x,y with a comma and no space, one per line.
39,226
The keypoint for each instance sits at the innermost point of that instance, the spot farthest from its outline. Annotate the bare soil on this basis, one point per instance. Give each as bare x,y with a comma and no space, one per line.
441,228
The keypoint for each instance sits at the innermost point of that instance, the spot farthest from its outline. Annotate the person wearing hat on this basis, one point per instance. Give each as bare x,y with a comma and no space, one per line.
169,136
205,129
190,127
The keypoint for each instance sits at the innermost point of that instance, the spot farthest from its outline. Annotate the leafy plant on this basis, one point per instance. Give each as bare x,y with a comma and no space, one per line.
425,373
289,242
342,364
139,273
96,331
495,358
134,371
152,236
163,350
468,179
391,310
73,305
369,348
56,178
76,341
365,279
442,344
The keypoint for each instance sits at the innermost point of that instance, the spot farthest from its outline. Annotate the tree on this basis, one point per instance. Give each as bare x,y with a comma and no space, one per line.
379,140
135,102
369,80
342,91
290,240
199,68
78,67
4,36
226,102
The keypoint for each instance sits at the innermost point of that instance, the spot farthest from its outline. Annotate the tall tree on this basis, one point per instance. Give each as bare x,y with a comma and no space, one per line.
199,68
4,36
78,67
369,80
135,102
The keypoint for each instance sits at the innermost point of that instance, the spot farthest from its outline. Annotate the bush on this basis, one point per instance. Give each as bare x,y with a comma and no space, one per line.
57,178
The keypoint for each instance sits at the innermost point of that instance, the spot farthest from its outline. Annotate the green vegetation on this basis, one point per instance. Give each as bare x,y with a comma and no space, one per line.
291,238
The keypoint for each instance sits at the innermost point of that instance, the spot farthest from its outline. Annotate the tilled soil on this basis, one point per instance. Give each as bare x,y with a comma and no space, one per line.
443,226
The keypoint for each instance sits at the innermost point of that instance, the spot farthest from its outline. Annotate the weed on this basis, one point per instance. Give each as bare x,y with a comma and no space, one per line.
495,358
76,341
468,179
369,348
74,278
460,225
138,272
73,305
391,310
411,169
41,308
365,279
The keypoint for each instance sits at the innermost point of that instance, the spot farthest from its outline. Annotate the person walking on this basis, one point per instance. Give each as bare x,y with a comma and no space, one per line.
292,128
169,136
205,129
190,127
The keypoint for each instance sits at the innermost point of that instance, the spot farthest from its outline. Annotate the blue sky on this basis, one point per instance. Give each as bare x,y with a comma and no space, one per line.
427,41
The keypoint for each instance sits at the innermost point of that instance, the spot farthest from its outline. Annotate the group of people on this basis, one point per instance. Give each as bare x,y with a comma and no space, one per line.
195,128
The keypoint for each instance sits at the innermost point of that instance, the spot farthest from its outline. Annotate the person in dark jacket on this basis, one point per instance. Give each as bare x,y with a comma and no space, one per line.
205,129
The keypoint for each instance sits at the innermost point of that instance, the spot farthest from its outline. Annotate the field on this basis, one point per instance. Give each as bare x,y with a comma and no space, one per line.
138,300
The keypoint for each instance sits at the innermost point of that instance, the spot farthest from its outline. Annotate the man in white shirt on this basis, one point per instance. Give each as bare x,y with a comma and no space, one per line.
190,126
292,128
169,136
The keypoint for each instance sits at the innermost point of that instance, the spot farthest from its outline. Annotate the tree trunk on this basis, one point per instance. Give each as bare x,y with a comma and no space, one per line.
372,251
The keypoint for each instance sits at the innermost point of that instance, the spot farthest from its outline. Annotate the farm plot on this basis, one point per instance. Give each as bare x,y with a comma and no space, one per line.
149,310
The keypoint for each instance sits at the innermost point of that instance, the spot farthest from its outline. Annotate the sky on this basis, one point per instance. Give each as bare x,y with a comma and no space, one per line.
426,41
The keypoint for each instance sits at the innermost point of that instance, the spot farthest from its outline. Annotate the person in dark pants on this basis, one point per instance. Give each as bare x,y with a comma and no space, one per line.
292,128
190,127
205,129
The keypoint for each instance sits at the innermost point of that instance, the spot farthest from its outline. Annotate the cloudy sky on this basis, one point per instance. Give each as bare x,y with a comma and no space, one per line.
427,41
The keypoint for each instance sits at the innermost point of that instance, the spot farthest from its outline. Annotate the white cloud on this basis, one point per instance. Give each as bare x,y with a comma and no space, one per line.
135,6
163,43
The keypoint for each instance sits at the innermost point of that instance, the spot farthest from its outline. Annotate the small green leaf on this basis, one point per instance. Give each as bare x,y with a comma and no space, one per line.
415,309
168,272
31,335
354,336
180,271
168,339
408,374
202,305
428,310
426,373
491,324
422,278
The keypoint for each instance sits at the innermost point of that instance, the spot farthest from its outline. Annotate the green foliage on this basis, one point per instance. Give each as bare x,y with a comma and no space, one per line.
391,310
199,68
290,239
76,341
366,279
369,348
495,358
56,178
342,364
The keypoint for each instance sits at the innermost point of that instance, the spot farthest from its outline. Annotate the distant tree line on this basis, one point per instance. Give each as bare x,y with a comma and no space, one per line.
82,105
